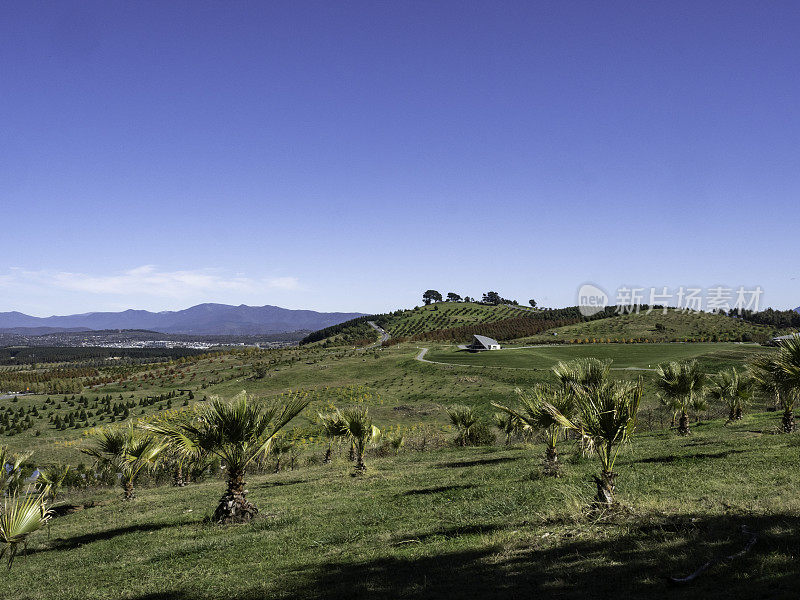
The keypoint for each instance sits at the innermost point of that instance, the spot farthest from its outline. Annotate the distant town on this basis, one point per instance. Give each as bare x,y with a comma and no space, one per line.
145,339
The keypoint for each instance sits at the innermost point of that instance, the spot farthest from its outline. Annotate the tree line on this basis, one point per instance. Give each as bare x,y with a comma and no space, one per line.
491,297
779,319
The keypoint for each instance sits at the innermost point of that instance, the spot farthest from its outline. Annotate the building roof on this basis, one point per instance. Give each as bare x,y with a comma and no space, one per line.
485,341
786,337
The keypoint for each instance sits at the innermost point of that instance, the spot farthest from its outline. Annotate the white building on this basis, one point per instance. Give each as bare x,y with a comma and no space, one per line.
481,342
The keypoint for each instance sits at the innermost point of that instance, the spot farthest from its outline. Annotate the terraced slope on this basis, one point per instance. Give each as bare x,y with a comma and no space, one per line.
411,322
445,315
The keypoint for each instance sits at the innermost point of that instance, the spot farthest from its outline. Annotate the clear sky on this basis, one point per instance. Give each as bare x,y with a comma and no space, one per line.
350,155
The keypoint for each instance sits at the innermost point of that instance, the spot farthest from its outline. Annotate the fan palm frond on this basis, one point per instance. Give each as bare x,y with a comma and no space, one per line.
21,516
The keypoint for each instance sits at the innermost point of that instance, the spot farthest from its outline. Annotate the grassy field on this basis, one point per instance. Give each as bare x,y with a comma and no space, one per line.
634,356
400,391
452,523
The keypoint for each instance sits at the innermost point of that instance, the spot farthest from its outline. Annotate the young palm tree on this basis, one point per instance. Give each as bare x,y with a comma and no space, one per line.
732,390
533,412
465,420
11,478
53,480
508,424
126,451
238,432
779,376
396,442
357,426
20,516
682,386
280,446
606,418
585,373
332,429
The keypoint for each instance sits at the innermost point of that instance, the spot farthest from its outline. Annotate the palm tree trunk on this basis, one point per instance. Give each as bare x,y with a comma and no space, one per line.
788,420
732,415
605,489
352,452
127,490
233,507
683,424
328,453
551,466
360,467
738,414
177,478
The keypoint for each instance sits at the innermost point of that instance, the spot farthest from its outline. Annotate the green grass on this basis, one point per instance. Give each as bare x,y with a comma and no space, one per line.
447,523
455,523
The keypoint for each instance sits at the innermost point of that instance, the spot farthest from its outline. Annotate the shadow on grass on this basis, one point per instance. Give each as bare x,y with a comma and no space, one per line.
479,461
457,531
436,490
633,561
682,457
170,595
271,484
99,536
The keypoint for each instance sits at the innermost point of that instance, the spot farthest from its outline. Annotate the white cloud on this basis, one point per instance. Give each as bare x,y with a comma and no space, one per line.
149,280
285,283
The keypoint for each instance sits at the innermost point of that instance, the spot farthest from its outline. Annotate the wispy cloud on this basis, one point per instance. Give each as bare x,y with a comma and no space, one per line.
149,280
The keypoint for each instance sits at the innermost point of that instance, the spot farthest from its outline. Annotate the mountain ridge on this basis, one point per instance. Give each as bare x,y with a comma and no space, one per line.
202,319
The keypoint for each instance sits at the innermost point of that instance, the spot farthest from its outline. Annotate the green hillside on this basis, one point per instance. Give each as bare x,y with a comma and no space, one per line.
444,315
411,322
457,321
658,327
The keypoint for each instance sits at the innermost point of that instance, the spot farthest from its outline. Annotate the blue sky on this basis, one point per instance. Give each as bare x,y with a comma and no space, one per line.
350,155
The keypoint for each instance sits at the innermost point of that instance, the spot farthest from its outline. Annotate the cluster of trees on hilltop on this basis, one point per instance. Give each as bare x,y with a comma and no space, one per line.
779,319
488,298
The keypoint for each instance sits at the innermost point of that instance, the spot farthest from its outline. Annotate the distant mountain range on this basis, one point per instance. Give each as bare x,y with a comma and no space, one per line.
203,319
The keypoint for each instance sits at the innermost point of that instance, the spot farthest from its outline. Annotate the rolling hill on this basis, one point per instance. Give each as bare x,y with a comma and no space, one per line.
658,327
410,322
207,319
458,321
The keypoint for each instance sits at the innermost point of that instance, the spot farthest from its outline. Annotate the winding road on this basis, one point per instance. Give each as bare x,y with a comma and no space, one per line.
384,334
